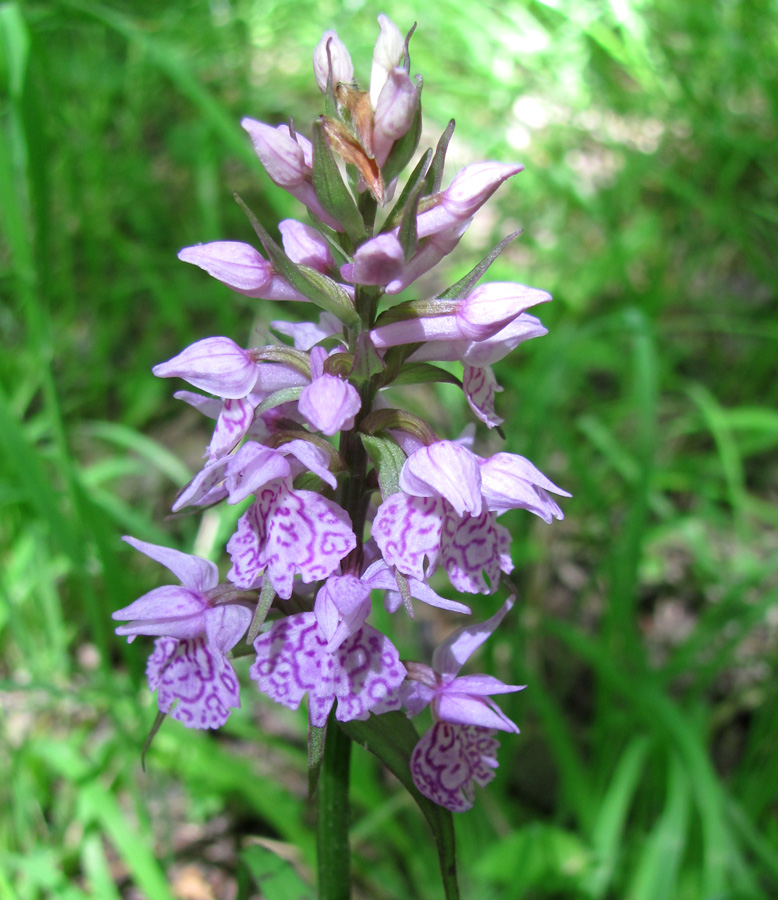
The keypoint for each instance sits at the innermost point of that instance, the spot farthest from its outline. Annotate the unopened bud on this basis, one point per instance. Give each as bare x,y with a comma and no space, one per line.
342,67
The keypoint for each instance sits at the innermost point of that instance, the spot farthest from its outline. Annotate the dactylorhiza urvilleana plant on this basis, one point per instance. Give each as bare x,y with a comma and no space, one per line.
353,500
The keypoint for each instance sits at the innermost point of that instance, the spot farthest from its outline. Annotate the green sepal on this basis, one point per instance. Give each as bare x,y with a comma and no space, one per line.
435,174
422,373
408,235
367,360
266,597
318,288
279,438
384,419
405,592
466,284
332,193
284,395
161,716
388,459
402,151
392,738
287,356
316,736
339,364
394,360
394,217
417,309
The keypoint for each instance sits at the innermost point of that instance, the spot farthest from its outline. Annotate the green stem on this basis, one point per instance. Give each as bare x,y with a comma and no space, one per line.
332,837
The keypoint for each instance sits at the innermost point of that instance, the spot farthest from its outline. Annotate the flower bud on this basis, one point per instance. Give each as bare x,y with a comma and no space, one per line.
378,261
342,67
280,154
305,246
241,268
490,307
466,194
289,162
216,364
389,52
394,112
329,403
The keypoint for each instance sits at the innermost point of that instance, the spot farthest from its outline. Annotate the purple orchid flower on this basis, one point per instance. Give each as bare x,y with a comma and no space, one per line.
221,367
478,381
330,654
285,531
195,686
459,750
460,700
198,628
443,513
381,260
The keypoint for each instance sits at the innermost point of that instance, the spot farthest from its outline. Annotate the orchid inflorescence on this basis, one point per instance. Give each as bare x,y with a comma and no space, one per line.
426,503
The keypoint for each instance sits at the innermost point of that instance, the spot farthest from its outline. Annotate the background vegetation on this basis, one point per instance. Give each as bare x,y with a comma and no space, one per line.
647,765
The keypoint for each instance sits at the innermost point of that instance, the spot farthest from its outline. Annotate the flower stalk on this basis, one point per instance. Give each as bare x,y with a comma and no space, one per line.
354,501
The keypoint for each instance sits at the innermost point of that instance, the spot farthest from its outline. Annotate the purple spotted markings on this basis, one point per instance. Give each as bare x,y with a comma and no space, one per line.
450,760
287,533
330,654
196,686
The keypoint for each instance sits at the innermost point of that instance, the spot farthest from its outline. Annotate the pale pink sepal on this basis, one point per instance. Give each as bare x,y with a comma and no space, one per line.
445,469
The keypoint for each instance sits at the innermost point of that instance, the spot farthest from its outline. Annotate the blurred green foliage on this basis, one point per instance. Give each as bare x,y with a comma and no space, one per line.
647,767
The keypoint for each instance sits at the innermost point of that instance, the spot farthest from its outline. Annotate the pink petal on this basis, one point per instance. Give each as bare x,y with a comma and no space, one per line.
192,571
480,386
465,709
306,334
330,403
449,656
206,487
225,626
289,532
239,266
234,421
313,458
342,67
292,660
252,467
168,602
378,576
511,481
370,675
305,246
